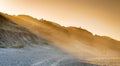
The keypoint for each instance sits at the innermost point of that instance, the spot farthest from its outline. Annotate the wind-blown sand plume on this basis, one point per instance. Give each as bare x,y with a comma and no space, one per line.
20,47
47,32
76,41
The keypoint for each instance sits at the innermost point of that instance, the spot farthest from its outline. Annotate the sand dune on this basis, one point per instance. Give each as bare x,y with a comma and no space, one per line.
76,41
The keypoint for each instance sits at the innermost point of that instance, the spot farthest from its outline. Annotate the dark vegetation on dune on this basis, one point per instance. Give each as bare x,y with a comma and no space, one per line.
15,36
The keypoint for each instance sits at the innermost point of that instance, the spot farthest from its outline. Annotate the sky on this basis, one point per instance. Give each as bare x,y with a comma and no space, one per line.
100,17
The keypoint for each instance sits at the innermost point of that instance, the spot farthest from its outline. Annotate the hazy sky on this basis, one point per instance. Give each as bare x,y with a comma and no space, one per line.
101,17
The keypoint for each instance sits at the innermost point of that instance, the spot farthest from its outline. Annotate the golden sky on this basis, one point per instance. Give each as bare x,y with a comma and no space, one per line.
101,17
